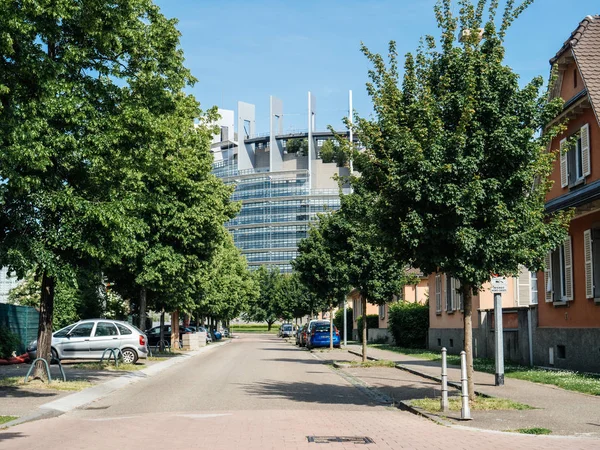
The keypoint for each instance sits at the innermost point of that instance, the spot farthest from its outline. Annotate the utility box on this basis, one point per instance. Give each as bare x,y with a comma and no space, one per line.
191,341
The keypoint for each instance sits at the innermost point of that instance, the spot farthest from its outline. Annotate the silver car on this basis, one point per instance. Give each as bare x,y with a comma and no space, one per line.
87,339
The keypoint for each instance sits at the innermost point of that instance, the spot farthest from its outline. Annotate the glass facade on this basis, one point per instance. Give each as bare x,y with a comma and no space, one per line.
276,211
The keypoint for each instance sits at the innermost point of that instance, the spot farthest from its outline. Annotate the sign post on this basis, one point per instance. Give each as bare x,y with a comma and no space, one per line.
499,285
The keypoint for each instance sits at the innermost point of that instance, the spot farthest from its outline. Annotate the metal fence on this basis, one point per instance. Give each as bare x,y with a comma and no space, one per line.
21,320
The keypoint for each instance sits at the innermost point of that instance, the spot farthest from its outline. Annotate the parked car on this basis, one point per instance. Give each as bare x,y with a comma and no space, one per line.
302,335
87,339
319,334
286,330
225,332
217,335
154,334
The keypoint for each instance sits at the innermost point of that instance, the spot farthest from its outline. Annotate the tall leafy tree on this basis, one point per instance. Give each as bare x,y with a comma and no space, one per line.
321,267
264,308
342,253
86,88
455,155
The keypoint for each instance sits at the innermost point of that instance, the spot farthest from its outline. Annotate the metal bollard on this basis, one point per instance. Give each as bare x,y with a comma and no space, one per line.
444,404
465,412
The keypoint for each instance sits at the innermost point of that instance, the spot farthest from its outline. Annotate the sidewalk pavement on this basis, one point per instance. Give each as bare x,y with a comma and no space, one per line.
28,403
564,412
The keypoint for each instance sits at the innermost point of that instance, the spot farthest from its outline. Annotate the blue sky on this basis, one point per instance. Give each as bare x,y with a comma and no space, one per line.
248,50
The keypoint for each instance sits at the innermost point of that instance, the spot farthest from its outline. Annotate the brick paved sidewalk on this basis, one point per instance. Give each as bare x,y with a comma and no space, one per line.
564,412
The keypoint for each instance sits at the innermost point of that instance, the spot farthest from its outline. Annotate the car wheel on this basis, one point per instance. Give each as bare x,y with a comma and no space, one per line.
130,356
54,356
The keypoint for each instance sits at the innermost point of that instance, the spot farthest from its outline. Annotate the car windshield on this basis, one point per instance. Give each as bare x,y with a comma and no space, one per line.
287,328
64,331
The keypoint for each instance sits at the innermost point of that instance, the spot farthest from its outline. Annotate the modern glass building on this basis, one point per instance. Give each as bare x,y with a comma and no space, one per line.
280,180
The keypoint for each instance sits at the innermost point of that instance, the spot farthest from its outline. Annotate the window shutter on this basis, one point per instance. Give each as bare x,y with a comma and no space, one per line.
564,170
548,277
459,295
438,293
589,265
585,149
524,291
568,269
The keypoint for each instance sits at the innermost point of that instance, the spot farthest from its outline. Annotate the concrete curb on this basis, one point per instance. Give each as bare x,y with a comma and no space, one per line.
91,394
423,374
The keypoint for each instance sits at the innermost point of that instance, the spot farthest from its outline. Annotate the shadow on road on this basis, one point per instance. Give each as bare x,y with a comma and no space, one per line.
5,436
307,392
22,391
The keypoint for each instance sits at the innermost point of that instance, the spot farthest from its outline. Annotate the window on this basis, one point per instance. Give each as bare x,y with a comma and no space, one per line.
534,288
123,329
454,299
591,244
64,331
575,78
320,142
449,294
438,293
382,312
105,329
83,330
224,134
561,352
559,273
575,158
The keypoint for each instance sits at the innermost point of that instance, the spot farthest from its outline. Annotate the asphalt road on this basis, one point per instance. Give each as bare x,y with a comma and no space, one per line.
256,393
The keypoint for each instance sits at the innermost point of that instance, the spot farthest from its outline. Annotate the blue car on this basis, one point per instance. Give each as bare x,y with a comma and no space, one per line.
318,335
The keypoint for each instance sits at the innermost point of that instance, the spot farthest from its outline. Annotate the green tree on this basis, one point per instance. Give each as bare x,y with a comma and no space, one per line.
88,92
342,253
455,154
321,267
229,287
265,307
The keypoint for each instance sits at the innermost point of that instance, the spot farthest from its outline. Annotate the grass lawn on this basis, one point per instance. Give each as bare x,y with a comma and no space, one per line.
108,366
480,404
4,419
251,328
573,381
56,385
535,430
379,363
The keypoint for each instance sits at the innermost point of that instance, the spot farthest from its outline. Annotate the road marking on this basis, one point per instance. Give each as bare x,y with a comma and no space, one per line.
106,419
202,416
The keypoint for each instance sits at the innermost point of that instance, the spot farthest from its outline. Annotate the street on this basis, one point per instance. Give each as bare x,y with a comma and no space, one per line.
258,392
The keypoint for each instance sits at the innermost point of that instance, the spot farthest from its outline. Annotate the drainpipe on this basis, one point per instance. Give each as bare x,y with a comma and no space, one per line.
530,333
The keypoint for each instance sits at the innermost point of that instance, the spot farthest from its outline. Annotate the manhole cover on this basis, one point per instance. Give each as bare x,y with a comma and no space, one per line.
349,439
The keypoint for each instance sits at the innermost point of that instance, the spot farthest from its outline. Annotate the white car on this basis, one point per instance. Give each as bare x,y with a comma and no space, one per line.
88,339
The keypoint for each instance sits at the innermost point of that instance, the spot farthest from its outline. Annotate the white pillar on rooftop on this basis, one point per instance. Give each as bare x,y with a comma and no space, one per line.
275,129
246,130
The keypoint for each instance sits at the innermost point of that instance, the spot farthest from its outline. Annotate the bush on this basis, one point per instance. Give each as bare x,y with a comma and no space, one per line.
9,342
338,321
408,324
372,322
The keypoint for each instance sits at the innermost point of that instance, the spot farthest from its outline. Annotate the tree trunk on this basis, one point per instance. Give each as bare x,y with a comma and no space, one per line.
468,332
331,328
162,330
44,339
175,329
269,325
142,308
364,329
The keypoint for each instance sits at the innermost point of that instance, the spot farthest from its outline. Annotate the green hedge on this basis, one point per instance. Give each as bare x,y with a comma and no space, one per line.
338,321
9,342
408,324
372,322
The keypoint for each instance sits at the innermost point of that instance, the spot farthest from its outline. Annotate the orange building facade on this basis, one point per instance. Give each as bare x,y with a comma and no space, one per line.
568,316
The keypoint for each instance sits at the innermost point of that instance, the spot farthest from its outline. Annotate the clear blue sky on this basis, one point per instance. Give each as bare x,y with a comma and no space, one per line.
247,50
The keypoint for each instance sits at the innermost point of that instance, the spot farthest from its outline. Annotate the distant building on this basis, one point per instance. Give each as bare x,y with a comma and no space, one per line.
280,179
6,284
